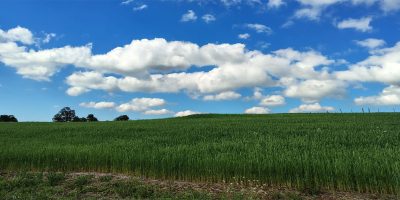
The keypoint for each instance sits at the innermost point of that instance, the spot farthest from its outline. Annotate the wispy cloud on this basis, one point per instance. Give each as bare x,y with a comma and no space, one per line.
190,15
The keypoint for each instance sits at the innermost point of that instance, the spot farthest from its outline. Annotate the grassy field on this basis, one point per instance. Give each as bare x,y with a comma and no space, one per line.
347,152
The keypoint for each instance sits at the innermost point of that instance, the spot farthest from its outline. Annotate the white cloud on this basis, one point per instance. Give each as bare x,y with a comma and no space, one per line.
140,104
314,90
76,91
126,2
143,105
157,112
229,3
41,65
259,28
312,13
160,66
17,34
365,2
229,95
244,36
371,43
390,5
312,9
362,24
88,81
382,66
141,7
273,100
48,37
186,113
314,108
389,96
98,105
189,16
257,110
257,94
385,5
275,3
235,68
208,18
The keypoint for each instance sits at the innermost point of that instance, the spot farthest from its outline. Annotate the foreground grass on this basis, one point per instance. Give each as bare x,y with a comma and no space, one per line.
57,185
347,152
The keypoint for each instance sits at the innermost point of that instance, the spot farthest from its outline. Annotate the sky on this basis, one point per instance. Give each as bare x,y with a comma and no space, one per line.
165,58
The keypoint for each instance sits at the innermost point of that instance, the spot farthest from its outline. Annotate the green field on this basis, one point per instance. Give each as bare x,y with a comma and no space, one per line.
347,152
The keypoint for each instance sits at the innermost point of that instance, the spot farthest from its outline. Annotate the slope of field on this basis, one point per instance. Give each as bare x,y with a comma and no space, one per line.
351,152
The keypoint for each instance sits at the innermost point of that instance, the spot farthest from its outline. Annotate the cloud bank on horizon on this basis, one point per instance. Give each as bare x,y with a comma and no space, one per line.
258,78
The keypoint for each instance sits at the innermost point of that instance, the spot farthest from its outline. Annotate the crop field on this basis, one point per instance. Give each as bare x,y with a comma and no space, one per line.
343,152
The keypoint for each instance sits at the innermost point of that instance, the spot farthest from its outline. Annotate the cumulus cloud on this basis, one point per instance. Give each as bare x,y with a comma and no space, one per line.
389,96
89,81
140,104
314,90
208,18
371,43
186,113
41,65
362,24
235,68
157,112
259,28
381,66
273,100
158,66
314,108
189,16
244,36
98,105
257,110
229,95
17,34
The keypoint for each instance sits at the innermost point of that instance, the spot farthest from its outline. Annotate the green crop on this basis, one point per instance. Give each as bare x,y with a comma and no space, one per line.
355,152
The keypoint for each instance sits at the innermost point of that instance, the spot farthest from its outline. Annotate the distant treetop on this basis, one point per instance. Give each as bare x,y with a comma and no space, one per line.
8,118
122,118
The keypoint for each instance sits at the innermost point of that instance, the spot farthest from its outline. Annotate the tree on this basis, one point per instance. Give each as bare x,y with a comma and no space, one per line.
122,118
78,119
8,118
91,118
64,115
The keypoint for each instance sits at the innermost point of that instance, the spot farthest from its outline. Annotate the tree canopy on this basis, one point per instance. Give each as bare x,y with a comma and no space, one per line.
66,114
122,118
8,118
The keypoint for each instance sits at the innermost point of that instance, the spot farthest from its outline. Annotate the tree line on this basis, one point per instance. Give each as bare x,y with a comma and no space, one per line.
66,114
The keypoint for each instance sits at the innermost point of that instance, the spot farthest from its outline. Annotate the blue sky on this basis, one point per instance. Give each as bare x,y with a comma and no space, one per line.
161,58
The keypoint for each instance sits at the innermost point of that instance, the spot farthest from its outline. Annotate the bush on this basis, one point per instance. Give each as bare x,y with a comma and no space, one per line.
8,118
122,118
